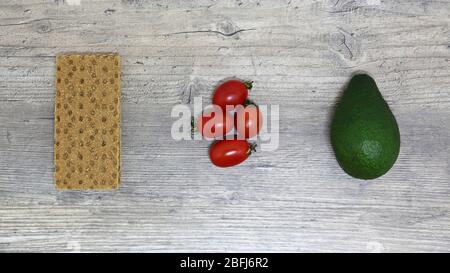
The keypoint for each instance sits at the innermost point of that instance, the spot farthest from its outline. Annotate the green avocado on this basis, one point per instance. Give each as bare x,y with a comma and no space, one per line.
364,133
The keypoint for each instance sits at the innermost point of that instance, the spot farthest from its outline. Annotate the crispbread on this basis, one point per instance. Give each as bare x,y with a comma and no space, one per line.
87,121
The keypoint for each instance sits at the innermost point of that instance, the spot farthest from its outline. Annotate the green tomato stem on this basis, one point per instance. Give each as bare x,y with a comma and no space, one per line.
252,148
193,127
248,84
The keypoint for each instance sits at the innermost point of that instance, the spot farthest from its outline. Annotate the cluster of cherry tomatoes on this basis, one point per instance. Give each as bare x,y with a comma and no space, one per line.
233,119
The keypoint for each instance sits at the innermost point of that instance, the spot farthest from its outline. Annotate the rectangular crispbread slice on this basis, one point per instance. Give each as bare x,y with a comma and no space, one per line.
87,121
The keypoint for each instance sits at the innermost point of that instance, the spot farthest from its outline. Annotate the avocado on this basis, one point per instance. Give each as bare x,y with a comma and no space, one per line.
364,133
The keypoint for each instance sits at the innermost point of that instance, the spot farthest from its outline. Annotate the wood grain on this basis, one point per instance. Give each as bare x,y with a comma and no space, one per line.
300,55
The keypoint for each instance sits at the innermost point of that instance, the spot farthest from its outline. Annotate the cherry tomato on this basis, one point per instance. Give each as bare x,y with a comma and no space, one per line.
248,121
215,123
230,152
233,92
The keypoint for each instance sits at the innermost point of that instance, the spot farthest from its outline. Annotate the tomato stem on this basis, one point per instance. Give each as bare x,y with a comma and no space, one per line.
248,84
252,148
192,126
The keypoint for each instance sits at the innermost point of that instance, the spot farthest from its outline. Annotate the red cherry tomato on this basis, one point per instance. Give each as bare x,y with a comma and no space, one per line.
215,123
233,92
248,121
230,152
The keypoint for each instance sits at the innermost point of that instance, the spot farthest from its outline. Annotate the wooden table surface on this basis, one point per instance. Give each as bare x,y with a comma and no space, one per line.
297,199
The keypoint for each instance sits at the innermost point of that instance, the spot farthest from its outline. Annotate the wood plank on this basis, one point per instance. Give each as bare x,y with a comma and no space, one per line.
300,55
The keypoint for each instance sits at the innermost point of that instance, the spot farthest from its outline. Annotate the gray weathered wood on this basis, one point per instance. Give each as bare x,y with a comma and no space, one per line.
300,55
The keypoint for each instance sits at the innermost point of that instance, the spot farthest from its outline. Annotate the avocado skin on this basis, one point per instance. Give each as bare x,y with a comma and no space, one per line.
364,133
